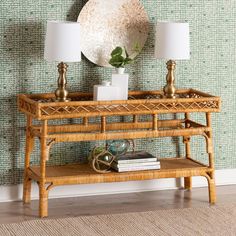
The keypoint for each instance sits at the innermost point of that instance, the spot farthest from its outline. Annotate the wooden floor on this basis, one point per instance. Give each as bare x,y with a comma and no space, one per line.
110,204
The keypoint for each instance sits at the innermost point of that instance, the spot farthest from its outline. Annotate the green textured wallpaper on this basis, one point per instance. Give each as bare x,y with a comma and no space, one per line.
212,69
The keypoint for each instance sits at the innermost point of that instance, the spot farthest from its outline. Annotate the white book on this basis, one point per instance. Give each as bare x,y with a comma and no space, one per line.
136,157
157,167
136,164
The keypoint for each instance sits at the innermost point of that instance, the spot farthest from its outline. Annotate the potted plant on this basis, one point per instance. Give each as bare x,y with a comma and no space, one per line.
120,58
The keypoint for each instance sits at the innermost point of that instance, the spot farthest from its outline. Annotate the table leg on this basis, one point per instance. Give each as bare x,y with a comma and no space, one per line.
43,193
187,180
188,183
211,175
211,187
43,200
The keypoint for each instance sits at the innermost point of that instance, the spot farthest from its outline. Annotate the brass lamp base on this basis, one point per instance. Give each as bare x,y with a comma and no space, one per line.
61,92
169,89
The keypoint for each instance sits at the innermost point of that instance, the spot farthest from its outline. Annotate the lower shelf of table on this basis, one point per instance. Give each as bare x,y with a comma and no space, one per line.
84,174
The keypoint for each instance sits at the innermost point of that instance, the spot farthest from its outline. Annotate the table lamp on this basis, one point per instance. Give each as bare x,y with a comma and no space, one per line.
62,44
172,43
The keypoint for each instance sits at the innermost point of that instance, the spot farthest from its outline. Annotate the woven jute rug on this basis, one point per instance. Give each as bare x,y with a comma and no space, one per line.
212,220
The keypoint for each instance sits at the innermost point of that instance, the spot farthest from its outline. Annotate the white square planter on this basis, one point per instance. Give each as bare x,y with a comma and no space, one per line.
106,92
121,81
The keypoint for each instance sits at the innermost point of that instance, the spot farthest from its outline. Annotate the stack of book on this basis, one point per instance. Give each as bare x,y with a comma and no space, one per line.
135,161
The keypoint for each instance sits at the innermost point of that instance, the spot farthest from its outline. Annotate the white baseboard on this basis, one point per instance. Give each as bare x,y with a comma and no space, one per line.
14,193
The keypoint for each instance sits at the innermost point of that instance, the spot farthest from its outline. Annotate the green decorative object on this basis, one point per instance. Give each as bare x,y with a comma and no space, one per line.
118,147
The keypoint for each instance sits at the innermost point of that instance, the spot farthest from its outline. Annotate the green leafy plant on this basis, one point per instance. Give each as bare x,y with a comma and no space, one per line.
120,56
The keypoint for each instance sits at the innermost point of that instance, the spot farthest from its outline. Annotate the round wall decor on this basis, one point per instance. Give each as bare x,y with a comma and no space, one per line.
106,24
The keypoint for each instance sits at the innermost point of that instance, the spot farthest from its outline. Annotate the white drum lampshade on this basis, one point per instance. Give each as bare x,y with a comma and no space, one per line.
172,43
62,44
62,41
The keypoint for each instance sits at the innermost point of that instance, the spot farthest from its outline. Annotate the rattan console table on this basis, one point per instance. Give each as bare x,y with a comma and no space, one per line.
43,109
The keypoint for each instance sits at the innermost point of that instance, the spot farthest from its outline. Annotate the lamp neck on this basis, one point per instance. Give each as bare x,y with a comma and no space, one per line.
169,89
61,93
62,69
